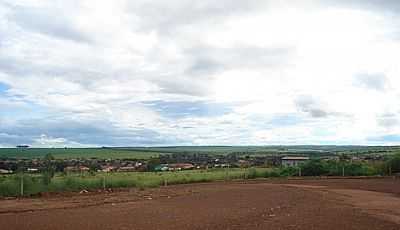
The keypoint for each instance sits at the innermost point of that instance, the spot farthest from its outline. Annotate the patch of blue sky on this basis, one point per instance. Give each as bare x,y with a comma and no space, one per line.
24,110
279,120
285,120
322,132
14,107
3,88
180,109
385,138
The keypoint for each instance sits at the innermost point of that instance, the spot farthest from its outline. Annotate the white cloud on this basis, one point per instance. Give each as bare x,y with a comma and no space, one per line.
45,141
315,65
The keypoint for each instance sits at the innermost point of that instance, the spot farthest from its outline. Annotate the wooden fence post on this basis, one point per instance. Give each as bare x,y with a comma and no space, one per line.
22,184
104,182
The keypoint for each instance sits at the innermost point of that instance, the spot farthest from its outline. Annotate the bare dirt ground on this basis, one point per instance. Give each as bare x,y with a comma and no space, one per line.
270,204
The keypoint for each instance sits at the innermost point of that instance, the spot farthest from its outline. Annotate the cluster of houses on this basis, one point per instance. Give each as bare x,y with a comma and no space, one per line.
167,162
122,166
176,167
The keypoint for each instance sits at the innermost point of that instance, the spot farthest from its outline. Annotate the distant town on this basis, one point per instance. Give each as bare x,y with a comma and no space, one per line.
174,162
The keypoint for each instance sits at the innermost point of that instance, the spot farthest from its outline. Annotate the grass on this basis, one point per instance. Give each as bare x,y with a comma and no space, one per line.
147,152
10,185
33,183
62,153
128,152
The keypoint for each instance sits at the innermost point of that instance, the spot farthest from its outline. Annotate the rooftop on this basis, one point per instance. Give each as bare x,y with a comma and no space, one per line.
295,158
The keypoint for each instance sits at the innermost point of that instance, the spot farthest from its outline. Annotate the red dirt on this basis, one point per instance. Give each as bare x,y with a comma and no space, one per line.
283,204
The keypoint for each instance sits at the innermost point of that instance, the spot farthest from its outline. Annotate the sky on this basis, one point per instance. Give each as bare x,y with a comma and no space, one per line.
82,73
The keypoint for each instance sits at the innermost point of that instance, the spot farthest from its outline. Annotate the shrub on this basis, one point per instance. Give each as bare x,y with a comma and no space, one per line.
289,171
49,169
394,163
273,173
314,168
252,173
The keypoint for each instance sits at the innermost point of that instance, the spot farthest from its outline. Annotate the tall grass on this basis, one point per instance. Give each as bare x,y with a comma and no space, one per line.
33,184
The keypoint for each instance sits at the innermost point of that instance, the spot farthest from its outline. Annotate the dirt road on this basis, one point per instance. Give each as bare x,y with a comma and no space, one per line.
300,204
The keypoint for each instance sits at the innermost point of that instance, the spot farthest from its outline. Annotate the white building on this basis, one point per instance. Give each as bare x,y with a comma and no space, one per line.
4,171
293,161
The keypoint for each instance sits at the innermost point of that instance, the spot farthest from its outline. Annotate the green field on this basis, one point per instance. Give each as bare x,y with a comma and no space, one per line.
147,152
130,152
62,153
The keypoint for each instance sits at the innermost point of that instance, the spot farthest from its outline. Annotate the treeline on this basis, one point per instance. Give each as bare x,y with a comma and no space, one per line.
317,167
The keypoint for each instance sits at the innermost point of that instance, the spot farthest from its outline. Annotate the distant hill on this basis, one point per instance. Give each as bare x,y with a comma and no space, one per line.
147,152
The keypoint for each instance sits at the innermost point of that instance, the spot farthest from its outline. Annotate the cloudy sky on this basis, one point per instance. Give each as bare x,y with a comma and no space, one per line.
155,72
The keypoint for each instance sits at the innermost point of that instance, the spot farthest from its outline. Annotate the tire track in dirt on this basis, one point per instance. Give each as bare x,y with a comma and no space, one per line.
383,205
378,204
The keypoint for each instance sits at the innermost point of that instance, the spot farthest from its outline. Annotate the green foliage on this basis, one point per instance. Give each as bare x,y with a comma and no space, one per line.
33,184
333,168
314,168
153,163
344,157
289,171
357,169
394,163
272,173
9,185
329,168
252,173
49,169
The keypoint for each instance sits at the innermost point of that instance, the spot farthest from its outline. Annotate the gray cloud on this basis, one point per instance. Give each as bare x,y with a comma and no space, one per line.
95,133
376,81
11,140
388,120
208,60
167,16
50,21
310,105
184,85
385,6
202,62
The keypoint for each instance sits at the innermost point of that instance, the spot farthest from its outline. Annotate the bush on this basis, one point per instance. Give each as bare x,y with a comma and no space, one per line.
355,169
252,173
394,163
289,171
314,168
49,169
273,173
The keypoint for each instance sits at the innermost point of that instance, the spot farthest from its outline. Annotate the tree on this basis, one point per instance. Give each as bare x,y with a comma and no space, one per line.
49,169
152,163
344,157
394,163
313,168
94,166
